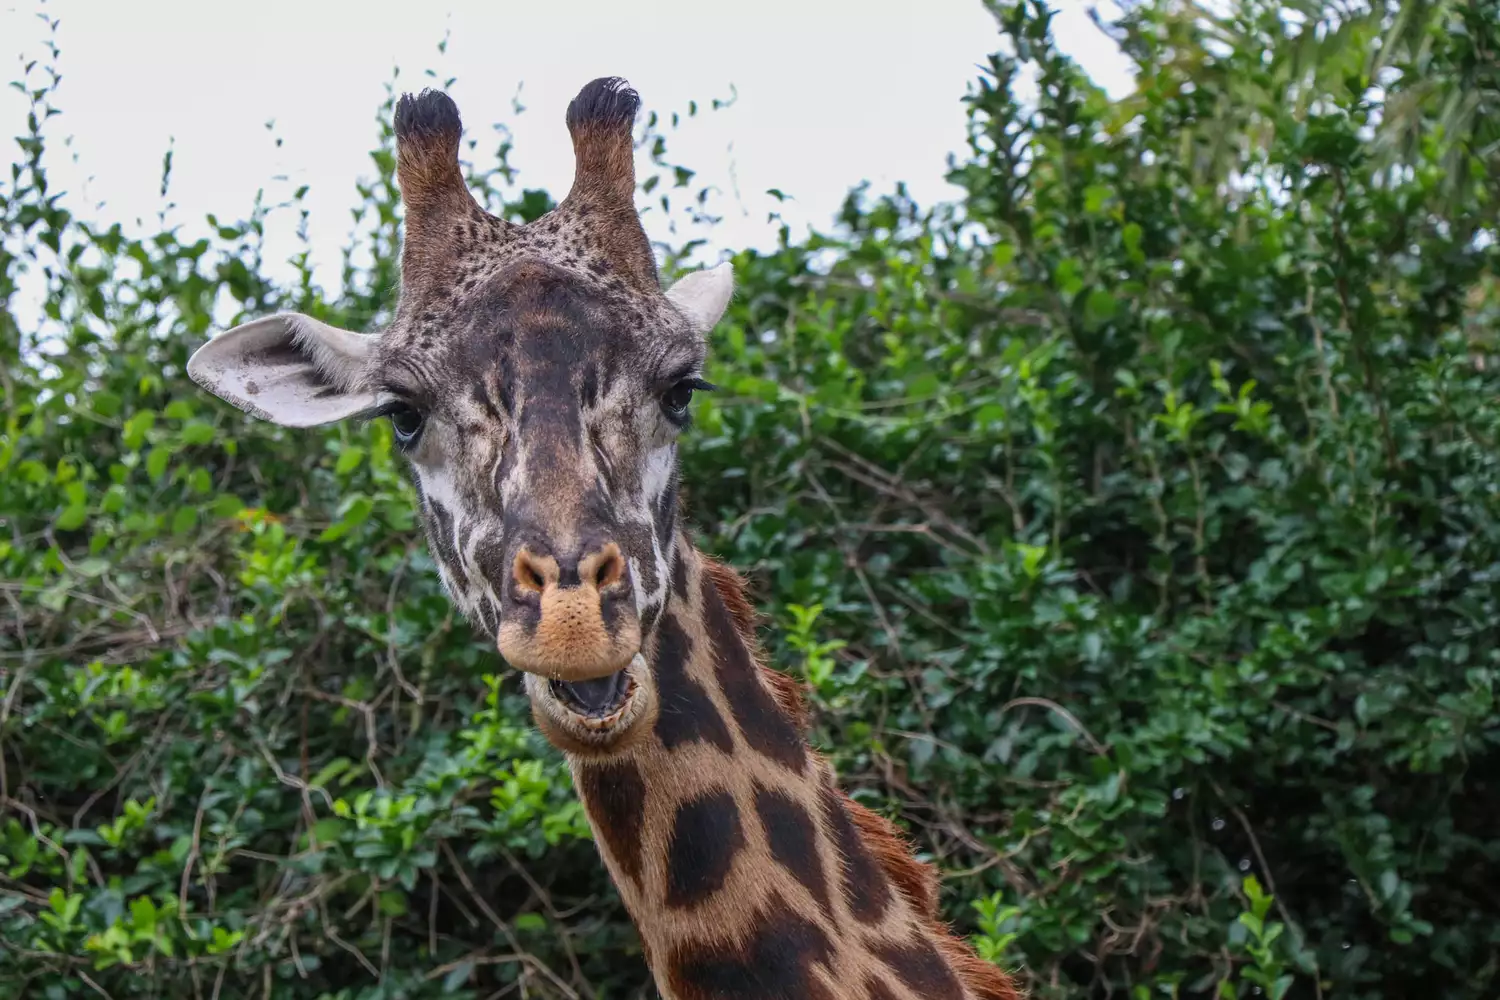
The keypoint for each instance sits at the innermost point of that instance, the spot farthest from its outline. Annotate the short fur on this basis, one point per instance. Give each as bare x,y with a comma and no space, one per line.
784,688
916,880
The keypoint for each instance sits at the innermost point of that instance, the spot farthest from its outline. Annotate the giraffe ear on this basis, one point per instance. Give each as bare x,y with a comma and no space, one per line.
289,369
703,296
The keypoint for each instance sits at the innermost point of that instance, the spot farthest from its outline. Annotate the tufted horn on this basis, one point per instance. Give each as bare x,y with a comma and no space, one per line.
600,120
437,200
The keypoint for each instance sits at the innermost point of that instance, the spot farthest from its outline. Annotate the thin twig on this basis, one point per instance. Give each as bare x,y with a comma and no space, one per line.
94,986
564,935
1067,716
504,928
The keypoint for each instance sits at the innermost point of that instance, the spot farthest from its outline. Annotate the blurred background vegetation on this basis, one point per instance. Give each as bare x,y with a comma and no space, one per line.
1134,522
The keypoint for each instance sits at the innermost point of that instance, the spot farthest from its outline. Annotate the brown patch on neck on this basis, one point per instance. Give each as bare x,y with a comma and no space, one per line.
732,591
614,793
918,882
915,880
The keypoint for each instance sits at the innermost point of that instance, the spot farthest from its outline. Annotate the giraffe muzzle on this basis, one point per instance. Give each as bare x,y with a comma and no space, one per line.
571,624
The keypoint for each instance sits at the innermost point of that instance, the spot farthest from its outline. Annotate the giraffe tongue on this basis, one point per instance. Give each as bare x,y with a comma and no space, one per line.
598,697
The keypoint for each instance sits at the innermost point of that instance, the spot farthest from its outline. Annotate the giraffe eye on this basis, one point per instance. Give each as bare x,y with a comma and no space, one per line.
674,402
406,423
677,399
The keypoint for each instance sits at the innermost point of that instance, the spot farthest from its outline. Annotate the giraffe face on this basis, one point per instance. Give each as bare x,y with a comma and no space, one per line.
536,379
542,437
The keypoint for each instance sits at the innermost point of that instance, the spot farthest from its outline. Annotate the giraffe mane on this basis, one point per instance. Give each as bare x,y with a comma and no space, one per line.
914,879
734,593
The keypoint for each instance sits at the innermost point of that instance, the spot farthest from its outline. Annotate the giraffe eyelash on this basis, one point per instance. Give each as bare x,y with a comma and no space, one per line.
689,373
397,399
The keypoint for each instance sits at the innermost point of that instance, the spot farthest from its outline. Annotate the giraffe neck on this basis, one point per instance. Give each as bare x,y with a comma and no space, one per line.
747,872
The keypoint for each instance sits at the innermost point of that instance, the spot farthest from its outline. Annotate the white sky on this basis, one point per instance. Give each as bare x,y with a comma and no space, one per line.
830,92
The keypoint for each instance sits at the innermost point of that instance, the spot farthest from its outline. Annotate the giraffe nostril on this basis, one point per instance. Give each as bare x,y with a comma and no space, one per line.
531,573
609,566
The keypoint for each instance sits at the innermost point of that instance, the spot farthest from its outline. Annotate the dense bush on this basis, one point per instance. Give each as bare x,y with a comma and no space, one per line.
1135,523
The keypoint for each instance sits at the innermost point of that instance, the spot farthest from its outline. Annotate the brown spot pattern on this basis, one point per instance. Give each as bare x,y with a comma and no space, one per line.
706,836
684,712
776,962
921,968
793,838
614,794
865,887
766,728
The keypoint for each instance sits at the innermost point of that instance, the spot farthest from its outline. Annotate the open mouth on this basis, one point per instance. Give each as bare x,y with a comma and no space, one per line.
596,699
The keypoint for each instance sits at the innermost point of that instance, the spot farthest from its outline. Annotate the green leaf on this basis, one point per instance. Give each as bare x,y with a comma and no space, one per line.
91,567
529,922
457,976
134,432
349,460
72,517
225,505
1068,277
1099,307
143,916
156,461
196,432
105,403
354,511
184,520
329,771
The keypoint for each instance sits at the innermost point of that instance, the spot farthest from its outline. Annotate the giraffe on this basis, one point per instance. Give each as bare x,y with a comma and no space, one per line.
536,378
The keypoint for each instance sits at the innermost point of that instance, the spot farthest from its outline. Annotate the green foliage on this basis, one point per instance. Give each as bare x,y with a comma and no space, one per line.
1133,521
1266,970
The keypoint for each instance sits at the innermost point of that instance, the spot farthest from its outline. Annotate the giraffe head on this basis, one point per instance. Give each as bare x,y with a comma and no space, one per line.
536,379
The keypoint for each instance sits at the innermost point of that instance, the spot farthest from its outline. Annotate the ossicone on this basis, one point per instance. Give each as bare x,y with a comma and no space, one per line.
600,120
430,114
609,104
428,130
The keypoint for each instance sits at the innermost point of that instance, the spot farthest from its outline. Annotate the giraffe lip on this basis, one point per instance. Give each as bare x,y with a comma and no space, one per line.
595,699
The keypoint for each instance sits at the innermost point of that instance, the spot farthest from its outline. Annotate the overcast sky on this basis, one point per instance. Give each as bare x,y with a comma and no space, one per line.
830,92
